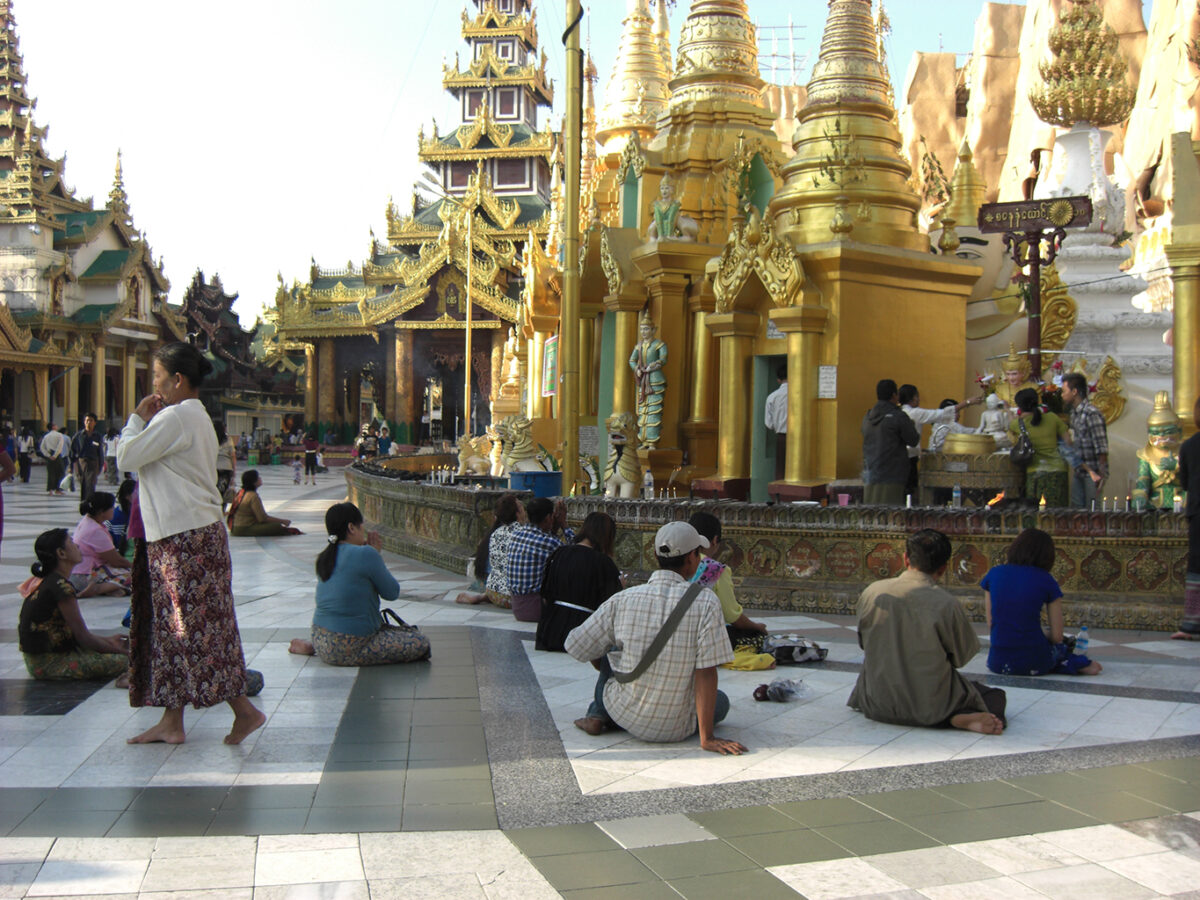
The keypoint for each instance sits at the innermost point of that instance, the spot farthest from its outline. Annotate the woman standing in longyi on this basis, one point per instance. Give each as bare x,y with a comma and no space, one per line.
184,641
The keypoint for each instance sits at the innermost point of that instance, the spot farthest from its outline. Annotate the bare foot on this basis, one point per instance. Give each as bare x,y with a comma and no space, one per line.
245,724
984,723
1185,636
122,682
1092,668
301,647
470,599
593,725
159,734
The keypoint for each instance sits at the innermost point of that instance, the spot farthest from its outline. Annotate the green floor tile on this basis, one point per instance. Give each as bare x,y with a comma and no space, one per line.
344,751
258,821
454,734
1124,777
183,822
584,870
752,885
66,823
270,796
559,839
751,820
866,838
905,804
460,717
23,800
465,751
1058,786
348,819
364,793
422,792
441,769
90,799
460,817
985,793
1187,769
165,799
1000,822
650,890
785,848
1115,806
695,858
842,811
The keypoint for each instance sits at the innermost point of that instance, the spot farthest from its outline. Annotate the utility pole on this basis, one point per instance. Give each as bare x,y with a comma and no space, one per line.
568,329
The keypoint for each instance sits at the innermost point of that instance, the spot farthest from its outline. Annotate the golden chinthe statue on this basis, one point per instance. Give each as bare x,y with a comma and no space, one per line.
647,361
1158,462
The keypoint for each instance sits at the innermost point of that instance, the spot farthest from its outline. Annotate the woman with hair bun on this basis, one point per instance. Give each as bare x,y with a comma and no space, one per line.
93,575
54,640
348,628
184,641
1047,474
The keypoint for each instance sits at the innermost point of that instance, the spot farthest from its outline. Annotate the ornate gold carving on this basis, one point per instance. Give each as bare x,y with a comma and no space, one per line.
1059,311
608,263
631,159
1108,397
718,54
967,189
1085,81
637,92
754,247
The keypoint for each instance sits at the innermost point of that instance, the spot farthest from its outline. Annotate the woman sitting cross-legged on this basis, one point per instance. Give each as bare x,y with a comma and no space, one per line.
577,579
248,518
96,572
348,628
1013,597
53,638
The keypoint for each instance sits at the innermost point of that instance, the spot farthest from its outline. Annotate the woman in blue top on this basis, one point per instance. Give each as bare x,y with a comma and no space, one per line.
348,628
1013,597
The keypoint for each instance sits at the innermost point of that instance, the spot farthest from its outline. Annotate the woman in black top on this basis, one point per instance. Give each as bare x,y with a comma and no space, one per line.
54,640
577,579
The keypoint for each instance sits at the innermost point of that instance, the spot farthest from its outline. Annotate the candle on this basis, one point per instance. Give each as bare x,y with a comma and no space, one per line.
908,501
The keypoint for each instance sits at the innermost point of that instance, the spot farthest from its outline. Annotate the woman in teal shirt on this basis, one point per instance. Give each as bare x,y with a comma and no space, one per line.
1047,474
348,628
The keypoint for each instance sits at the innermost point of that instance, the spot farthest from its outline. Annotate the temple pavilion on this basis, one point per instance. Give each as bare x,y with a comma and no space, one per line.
386,337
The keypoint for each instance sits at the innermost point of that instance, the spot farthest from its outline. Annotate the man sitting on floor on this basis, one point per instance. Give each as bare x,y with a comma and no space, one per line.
915,636
677,693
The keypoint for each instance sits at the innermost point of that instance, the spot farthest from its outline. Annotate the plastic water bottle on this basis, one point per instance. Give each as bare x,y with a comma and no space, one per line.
956,496
648,485
1081,641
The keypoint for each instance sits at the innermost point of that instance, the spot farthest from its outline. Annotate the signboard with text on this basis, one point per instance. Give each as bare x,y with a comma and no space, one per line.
1036,215
550,367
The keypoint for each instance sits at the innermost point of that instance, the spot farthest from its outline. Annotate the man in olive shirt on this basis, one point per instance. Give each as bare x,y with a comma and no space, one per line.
915,636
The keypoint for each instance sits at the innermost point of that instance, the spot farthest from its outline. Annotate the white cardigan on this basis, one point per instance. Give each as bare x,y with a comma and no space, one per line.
175,456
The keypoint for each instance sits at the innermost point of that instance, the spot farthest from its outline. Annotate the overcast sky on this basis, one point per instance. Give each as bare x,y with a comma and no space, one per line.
259,133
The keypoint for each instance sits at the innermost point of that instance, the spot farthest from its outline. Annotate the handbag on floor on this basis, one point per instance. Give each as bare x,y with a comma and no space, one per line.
789,649
386,614
68,482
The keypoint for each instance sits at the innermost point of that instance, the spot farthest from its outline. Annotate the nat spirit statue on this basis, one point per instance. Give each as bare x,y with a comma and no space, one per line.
647,361
1016,377
1158,461
668,223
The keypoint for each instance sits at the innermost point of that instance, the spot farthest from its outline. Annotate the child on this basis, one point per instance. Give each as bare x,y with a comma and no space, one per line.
297,468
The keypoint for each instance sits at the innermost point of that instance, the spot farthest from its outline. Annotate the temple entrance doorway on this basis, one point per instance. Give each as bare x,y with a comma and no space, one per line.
765,448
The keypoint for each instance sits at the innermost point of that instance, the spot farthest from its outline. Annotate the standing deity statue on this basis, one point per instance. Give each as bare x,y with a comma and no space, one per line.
1158,461
1016,377
668,223
647,361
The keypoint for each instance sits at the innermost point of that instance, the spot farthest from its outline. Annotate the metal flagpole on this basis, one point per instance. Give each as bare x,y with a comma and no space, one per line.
568,329
470,214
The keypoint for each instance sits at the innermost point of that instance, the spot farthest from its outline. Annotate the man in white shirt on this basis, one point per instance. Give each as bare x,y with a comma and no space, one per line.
910,402
677,695
776,418
55,448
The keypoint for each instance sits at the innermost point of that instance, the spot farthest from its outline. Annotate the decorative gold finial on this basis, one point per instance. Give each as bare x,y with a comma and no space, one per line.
967,189
662,31
637,92
118,200
1015,362
1085,80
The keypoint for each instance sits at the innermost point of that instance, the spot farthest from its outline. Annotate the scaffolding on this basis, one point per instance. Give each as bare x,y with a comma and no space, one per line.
783,53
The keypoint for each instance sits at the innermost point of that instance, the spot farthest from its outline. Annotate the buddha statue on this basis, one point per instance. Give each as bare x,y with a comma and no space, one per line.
1015,370
1158,462
650,383
994,421
667,222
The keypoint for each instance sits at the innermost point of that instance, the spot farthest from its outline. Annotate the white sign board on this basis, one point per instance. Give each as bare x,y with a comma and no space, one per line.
773,332
826,382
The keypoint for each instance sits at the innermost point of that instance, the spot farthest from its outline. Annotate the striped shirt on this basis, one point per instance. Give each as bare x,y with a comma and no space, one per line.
661,704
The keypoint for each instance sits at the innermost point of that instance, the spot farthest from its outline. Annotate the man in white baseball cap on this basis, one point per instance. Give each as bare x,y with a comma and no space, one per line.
673,692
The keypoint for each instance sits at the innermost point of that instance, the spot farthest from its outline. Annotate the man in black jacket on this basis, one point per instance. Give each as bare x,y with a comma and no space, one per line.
887,435
87,454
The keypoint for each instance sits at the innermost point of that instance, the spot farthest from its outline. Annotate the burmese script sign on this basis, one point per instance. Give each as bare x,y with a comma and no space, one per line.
1036,215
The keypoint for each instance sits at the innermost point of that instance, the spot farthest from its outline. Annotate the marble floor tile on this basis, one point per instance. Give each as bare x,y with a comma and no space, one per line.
88,877
836,879
300,866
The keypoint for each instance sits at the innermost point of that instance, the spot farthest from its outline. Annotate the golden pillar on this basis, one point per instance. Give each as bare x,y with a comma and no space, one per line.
71,398
587,358
407,394
499,336
1185,275
310,387
803,326
625,307
129,396
41,396
735,333
535,403
99,379
326,378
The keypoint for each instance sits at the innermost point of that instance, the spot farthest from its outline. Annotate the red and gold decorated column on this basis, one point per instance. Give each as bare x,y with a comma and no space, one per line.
310,386
326,383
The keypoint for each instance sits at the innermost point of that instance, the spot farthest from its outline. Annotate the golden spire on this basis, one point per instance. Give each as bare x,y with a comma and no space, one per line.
637,92
967,189
118,200
1085,80
587,165
848,159
662,31
718,54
